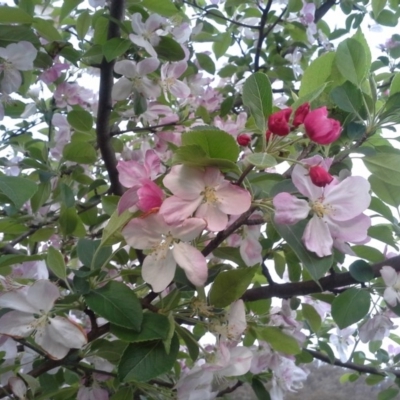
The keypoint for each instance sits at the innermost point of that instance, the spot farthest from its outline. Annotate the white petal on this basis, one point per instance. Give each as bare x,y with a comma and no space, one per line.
159,271
127,68
317,237
16,324
189,229
16,300
42,295
66,332
303,183
53,348
389,275
192,262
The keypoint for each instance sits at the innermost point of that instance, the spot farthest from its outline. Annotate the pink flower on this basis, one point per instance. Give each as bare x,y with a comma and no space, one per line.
336,211
321,129
170,72
53,73
278,122
392,281
204,192
300,114
375,328
168,247
320,176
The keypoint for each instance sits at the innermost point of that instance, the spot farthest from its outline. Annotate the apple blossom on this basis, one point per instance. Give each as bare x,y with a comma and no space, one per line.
205,193
168,247
278,122
376,328
18,387
170,72
336,211
342,339
146,32
134,78
392,281
321,129
33,304
244,139
320,176
300,114
15,57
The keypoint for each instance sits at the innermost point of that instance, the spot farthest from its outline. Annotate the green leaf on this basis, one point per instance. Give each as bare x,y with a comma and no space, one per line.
83,24
390,194
117,304
144,361
317,74
55,263
229,286
18,190
368,253
259,389
312,317
347,97
10,259
377,7
169,49
123,393
382,233
316,266
154,326
115,47
221,46
80,120
13,15
111,232
361,271
351,61
162,7
387,18
41,196
46,29
350,307
388,394
257,96
360,37
206,63
190,341
261,160
90,255
16,33
80,152
68,221
386,166
215,143
278,340
67,7
395,85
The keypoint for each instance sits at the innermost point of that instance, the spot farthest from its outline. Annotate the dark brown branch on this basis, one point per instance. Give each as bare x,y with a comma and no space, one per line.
365,369
105,103
261,35
275,23
152,128
323,9
329,283
230,389
221,236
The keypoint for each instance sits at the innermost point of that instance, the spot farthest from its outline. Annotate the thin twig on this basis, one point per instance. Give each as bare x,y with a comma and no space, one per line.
261,35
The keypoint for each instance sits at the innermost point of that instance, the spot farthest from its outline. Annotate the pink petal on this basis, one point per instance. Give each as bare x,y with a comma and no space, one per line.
233,199
239,363
189,229
250,251
143,233
215,218
185,182
391,296
192,262
317,237
128,200
303,183
289,209
126,68
354,230
147,66
150,196
131,173
176,69
159,271
152,164
349,198
180,90
175,209
122,89
16,300
237,319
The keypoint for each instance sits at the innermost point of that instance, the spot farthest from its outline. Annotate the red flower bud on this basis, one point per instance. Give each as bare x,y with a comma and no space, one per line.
278,123
244,139
319,176
321,129
300,114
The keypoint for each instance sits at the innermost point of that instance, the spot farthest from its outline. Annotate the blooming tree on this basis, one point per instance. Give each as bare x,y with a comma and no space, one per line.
196,196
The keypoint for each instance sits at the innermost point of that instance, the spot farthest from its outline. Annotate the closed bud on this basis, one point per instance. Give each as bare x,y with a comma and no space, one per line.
278,123
300,114
321,129
319,176
244,139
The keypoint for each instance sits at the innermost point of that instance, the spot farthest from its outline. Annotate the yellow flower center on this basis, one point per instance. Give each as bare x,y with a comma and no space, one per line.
321,209
209,195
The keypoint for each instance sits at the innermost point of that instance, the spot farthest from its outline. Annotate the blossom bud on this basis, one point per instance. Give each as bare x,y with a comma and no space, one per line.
268,135
278,123
244,139
300,114
319,176
321,129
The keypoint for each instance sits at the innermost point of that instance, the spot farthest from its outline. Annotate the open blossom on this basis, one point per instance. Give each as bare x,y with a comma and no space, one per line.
168,247
33,304
375,328
336,210
170,72
392,281
343,341
204,192
321,129
14,58
146,35
134,78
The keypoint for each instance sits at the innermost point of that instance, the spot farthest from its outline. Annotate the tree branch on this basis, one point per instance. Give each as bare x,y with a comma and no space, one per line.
323,9
105,103
329,283
365,369
261,35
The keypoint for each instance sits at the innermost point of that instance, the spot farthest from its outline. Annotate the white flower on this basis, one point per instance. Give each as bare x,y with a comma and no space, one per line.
392,281
375,328
16,57
32,304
